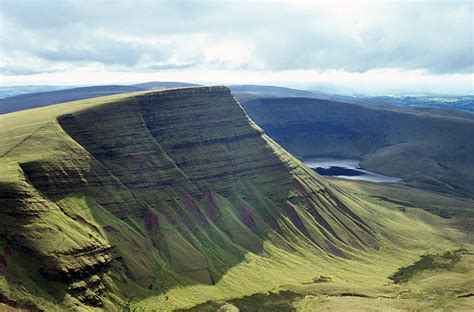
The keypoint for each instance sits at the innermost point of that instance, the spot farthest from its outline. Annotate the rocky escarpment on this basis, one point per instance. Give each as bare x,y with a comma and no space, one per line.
159,189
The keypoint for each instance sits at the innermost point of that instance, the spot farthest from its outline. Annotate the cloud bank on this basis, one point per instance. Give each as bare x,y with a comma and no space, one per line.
40,37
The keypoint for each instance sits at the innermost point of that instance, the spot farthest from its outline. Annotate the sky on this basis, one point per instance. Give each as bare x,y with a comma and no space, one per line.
357,46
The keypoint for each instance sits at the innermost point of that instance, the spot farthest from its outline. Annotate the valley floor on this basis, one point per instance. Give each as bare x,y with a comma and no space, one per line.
430,289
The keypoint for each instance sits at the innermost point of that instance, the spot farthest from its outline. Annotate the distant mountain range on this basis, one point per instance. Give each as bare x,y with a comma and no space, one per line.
17,98
17,90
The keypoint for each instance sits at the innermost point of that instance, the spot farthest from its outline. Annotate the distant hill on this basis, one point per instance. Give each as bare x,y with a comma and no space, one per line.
252,91
461,103
8,91
33,100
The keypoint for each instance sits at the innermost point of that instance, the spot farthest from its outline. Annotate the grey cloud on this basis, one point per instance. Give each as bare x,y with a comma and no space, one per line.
169,66
428,38
18,70
104,51
432,36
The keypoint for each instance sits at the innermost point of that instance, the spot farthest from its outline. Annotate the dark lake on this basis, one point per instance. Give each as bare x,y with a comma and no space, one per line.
346,168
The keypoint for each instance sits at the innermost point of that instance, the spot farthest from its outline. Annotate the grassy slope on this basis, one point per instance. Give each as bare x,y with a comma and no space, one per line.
429,288
89,218
427,150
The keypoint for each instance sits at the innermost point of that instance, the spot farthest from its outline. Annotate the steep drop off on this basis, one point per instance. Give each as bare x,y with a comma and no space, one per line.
152,190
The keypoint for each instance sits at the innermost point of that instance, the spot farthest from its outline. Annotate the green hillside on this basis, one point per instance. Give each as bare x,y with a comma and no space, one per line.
161,200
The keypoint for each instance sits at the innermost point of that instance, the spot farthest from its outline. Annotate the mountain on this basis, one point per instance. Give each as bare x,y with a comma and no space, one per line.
167,199
422,169
245,93
426,149
273,91
17,98
8,91
31,98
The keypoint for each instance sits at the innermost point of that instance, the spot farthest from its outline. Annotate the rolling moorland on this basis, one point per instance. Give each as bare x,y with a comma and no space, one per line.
176,199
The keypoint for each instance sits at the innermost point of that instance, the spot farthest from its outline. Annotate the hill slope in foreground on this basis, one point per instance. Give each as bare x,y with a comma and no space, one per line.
167,199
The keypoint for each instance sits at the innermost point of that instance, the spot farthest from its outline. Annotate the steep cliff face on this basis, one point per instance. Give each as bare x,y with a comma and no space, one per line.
158,189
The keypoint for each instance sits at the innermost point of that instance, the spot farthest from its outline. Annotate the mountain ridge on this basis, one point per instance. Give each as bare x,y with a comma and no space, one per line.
146,196
111,176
